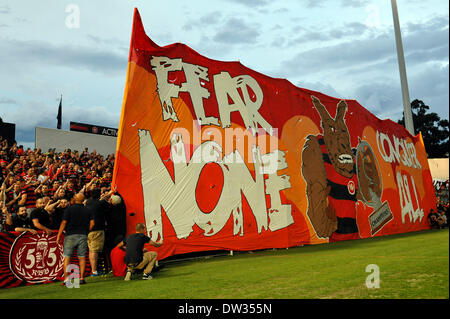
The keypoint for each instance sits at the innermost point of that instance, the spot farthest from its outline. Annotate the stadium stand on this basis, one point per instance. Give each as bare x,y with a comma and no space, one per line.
27,175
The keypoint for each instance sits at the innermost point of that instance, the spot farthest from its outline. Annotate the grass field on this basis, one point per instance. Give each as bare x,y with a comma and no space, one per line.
411,266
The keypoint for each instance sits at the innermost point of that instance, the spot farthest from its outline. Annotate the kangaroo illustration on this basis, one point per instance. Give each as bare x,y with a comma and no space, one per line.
328,167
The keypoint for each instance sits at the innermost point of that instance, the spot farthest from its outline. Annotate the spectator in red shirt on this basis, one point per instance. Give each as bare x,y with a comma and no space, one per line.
20,150
29,200
15,197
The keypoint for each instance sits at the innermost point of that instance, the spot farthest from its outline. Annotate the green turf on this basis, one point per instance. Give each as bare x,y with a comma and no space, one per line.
412,265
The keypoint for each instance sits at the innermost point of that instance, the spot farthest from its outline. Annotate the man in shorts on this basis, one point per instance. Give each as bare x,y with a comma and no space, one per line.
96,240
77,220
96,236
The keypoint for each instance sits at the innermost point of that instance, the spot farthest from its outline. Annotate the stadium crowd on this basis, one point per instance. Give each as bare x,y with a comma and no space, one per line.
36,188
439,219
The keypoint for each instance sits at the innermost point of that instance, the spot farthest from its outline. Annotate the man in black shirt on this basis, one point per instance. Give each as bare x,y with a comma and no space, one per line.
116,219
96,236
40,217
57,212
137,257
77,220
19,222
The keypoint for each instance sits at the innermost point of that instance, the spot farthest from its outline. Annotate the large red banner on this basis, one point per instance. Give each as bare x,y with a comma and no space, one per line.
213,155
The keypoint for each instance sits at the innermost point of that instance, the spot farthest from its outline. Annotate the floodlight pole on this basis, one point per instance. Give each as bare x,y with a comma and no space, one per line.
401,65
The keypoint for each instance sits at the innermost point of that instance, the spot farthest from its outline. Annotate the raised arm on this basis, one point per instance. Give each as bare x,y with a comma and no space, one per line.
23,199
7,214
50,207
3,194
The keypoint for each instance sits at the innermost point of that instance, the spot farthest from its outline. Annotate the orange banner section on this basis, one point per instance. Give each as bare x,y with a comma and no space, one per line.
212,155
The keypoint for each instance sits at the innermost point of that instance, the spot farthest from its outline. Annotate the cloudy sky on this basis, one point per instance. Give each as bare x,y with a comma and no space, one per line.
343,48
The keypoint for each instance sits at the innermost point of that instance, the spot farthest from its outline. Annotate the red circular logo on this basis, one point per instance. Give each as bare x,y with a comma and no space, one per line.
95,130
36,258
351,187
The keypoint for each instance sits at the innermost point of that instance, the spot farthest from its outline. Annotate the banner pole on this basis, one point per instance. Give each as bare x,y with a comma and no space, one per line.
409,125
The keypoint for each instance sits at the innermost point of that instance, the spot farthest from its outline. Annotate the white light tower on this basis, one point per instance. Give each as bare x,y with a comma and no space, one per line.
401,65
